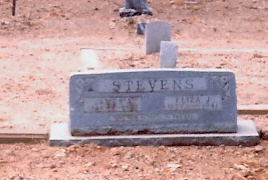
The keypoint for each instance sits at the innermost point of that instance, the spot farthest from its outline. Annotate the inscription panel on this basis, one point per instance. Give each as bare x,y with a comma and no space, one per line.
115,104
152,101
152,85
178,103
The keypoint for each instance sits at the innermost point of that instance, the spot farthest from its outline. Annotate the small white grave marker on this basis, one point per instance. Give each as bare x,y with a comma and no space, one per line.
89,59
168,54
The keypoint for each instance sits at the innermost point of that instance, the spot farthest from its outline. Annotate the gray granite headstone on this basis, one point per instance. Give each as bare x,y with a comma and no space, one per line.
168,54
138,5
156,32
156,101
135,8
141,28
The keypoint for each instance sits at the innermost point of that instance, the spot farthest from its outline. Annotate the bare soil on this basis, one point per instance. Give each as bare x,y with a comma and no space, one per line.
40,47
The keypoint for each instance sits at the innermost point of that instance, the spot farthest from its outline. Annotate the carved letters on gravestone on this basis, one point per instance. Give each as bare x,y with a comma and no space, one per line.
152,102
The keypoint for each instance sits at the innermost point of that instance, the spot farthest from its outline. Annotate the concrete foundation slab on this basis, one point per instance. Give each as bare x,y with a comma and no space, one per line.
246,135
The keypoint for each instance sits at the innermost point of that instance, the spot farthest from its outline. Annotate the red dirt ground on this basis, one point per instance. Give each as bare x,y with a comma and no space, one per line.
40,47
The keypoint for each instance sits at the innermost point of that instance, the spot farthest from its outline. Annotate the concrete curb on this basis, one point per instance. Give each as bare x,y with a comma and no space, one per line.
259,109
18,135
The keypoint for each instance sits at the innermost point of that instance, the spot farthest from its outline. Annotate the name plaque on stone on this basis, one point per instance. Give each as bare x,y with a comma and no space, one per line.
154,101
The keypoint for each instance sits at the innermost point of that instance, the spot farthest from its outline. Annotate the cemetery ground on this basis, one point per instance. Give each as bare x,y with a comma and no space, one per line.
40,47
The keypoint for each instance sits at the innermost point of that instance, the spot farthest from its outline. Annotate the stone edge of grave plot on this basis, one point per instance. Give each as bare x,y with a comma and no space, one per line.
19,135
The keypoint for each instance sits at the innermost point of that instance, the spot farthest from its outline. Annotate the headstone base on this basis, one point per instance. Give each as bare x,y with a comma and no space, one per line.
246,135
124,12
